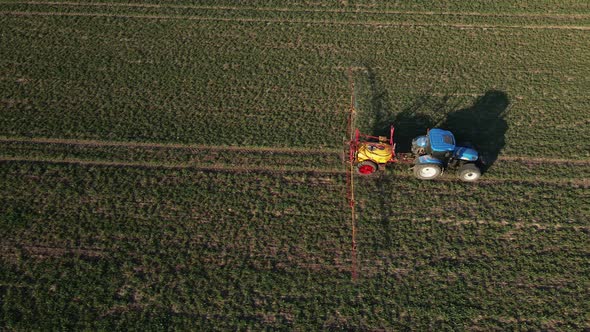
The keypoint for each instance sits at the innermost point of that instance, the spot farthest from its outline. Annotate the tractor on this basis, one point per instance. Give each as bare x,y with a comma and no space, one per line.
431,155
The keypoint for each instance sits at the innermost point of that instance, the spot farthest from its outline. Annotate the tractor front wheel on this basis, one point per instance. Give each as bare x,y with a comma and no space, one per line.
366,167
468,173
427,171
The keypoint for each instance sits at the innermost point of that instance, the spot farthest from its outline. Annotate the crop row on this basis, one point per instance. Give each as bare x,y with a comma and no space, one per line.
285,84
221,249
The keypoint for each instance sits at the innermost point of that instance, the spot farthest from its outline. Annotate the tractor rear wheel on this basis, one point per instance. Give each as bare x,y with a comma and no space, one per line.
366,167
427,171
468,173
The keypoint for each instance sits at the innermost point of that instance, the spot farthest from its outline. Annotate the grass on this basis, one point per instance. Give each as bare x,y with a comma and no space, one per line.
179,166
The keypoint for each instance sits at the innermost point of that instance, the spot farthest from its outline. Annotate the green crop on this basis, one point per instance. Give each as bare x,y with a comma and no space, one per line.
183,245
278,77
180,165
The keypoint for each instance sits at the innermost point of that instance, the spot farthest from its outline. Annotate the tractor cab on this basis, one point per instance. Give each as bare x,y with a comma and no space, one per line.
438,143
442,143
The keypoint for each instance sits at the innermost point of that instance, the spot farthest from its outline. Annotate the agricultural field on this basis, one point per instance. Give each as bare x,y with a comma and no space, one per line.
181,165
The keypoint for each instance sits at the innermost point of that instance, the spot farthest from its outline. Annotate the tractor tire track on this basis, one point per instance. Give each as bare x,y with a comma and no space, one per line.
486,180
213,167
295,21
14,250
542,160
355,10
104,143
516,225
293,150
584,182
51,251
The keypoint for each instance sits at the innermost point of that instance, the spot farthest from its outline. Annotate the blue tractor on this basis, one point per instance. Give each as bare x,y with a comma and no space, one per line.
436,151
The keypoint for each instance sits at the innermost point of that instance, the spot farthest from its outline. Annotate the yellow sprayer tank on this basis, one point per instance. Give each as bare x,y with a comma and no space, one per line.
379,153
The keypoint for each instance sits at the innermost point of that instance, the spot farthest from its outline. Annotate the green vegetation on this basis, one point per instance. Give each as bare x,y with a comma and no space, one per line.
180,165
139,246
198,76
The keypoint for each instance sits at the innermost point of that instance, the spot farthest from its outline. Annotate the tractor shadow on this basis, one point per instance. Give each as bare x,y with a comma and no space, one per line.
481,125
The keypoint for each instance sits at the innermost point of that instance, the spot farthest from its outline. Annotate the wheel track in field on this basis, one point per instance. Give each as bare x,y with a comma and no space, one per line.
291,150
295,21
104,143
42,250
539,160
194,166
355,10
584,182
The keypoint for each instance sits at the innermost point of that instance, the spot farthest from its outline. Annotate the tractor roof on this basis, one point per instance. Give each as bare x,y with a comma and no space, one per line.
441,140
